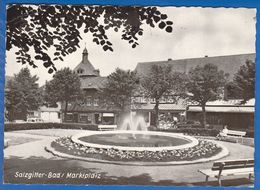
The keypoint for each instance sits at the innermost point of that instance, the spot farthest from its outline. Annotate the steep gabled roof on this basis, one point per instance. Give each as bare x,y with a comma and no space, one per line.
85,68
229,64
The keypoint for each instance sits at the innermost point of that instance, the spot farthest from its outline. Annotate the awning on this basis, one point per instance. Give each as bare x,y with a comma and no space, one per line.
162,107
224,109
108,115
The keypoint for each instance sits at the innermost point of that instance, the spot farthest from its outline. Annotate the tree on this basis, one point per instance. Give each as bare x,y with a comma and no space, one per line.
39,28
161,81
205,83
64,88
243,84
120,88
22,95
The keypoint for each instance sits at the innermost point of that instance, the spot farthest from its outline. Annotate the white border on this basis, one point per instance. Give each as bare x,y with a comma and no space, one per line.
192,141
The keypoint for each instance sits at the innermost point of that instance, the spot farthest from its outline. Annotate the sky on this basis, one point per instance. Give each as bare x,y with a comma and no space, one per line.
196,32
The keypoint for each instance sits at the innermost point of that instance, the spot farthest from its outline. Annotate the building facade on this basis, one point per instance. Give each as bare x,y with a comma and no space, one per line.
93,109
230,113
227,111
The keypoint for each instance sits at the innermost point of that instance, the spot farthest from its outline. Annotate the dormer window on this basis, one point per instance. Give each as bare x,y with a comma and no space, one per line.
80,71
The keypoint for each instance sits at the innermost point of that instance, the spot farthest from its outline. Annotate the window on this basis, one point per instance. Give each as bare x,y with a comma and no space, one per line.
80,71
84,118
89,101
69,117
108,119
95,101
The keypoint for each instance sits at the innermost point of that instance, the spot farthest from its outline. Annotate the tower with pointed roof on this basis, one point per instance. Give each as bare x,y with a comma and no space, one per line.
85,68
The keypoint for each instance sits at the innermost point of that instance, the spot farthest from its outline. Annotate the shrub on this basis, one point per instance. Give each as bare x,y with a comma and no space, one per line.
193,131
29,126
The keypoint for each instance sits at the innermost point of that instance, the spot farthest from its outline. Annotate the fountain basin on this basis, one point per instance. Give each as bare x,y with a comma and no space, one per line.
135,140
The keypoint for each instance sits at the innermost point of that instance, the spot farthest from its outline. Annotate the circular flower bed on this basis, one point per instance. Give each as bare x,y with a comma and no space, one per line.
205,149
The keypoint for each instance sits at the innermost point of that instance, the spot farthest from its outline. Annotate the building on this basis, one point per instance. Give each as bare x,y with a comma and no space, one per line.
228,63
225,109
230,113
93,109
50,114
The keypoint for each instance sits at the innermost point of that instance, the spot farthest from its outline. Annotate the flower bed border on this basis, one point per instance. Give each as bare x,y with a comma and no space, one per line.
223,153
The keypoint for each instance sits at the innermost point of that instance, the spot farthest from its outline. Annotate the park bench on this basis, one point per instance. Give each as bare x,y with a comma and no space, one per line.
236,133
232,133
229,168
107,127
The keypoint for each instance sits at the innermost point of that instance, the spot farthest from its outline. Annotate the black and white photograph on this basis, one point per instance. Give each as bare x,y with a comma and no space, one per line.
129,95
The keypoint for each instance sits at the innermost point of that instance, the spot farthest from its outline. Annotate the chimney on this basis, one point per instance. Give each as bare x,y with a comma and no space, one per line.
169,59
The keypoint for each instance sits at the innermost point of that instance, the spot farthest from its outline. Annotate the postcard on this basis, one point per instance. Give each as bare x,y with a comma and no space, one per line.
133,95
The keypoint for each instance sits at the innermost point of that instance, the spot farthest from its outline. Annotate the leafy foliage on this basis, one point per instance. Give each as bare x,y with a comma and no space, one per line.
64,87
162,81
22,95
120,88
243,83
40,28
205,83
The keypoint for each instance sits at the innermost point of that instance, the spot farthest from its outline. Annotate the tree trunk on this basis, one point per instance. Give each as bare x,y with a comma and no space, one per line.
65,111
156,110
204,117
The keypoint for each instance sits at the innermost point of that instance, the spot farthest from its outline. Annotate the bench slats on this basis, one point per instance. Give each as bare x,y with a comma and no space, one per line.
236,133
230,163
237,171
226,165
107,127
242,171
233,167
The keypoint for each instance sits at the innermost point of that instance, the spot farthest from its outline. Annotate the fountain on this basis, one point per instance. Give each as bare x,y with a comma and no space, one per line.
135,144
134,136
134,122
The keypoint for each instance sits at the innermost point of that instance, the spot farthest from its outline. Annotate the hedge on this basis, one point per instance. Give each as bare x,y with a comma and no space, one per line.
29,126
193,131
199,131
189,131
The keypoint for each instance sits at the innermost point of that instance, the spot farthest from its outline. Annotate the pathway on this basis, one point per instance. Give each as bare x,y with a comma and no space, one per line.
32,144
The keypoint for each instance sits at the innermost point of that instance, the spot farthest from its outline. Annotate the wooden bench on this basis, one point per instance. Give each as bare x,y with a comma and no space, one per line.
107,127
229,168
236,133
232,133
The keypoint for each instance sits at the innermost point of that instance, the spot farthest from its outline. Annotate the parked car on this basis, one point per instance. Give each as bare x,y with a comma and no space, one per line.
189,124
34,120
19,121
